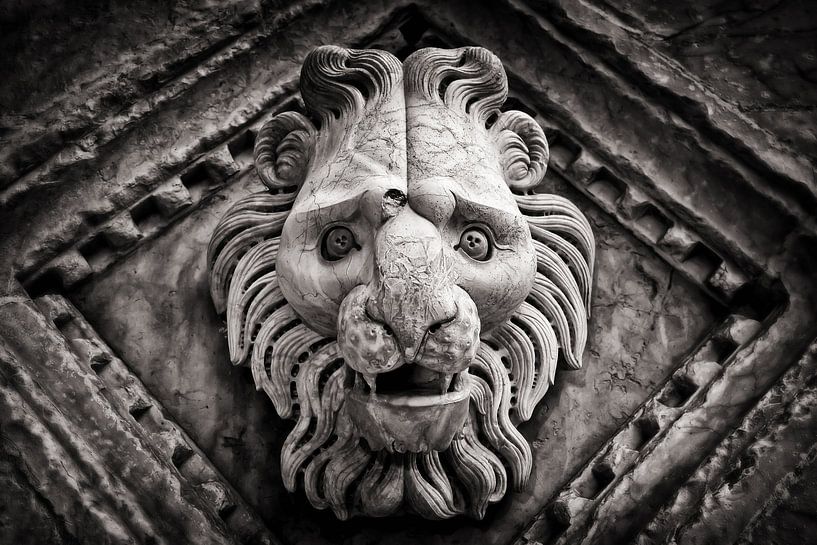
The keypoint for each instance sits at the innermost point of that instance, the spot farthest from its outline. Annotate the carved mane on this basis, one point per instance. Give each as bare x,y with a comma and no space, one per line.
303,373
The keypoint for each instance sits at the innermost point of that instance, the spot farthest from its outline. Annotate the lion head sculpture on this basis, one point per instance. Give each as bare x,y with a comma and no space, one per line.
397,289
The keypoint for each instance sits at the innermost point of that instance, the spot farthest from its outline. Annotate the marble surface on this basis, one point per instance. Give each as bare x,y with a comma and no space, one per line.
704,110
759,55
154,310
26,518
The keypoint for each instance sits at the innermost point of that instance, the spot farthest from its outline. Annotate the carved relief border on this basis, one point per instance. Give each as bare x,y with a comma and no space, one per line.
719,276
116,237
125,390
87,454
685,250
758,452
193,54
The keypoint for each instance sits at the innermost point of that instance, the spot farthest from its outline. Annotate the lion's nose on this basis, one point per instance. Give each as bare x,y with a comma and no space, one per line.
411,338
411,317
413,280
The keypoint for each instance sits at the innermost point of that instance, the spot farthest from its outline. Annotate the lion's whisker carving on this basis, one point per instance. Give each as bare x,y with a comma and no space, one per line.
397,290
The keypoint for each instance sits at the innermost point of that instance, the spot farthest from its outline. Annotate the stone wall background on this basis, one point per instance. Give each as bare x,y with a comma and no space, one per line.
685,132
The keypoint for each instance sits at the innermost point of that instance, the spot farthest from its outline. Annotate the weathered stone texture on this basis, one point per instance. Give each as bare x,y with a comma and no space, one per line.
760,55
25,516
684,133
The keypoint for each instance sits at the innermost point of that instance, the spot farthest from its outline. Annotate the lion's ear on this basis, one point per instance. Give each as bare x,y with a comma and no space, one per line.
523,149
283,150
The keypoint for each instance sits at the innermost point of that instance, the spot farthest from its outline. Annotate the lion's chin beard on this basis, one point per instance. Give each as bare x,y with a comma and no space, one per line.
462,479
358,471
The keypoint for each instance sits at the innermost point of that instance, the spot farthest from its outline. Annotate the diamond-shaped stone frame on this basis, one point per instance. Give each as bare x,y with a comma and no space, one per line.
754,258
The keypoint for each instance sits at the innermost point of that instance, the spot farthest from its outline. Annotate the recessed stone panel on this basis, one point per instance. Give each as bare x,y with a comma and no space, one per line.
154,310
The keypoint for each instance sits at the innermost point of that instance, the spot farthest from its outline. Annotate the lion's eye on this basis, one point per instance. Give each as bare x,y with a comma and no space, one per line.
475,242
337,243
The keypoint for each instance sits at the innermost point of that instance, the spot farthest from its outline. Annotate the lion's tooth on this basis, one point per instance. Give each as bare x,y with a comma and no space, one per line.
445,382
459,383
371,380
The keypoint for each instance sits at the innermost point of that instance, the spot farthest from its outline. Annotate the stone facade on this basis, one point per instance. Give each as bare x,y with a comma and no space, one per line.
128,133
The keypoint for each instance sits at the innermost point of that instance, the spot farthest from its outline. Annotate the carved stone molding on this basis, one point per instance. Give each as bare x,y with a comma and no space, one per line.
697,364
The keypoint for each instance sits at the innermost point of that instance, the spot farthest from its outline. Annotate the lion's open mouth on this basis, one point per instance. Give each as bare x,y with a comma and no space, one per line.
410,409
410,381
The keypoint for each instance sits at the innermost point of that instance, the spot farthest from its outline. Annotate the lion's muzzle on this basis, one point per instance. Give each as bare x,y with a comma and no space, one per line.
409,335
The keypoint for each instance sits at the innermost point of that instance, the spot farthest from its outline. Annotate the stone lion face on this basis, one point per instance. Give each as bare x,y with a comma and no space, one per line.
392,293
